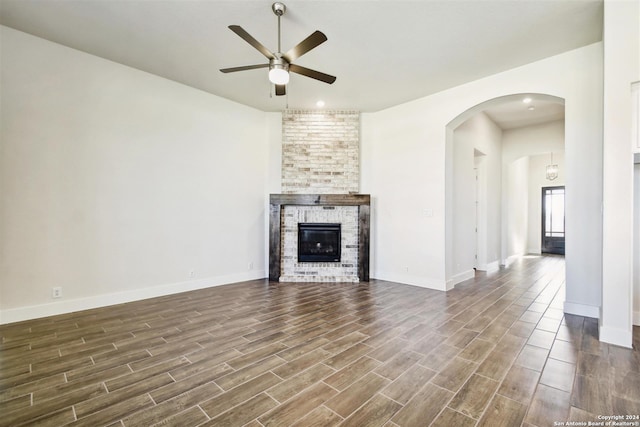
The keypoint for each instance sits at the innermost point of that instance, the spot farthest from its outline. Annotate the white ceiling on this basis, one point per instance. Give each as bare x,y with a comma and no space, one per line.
514,113
383,52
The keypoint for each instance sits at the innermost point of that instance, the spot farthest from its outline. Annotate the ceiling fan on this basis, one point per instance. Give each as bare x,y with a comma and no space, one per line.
281,64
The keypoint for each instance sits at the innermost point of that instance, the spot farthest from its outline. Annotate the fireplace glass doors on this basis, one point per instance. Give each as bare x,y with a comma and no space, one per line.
319,242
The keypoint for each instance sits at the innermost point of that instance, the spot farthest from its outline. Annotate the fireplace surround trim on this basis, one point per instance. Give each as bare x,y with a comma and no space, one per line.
276,201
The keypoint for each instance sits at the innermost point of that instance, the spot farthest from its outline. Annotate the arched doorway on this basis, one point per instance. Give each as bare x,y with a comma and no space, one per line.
494,152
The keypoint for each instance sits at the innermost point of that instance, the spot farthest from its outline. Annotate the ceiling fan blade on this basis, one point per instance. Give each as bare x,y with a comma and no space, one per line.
243,68
312,73
314,40
253,42
281,90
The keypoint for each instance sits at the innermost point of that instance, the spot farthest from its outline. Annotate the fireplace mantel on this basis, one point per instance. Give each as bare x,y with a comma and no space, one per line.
276,201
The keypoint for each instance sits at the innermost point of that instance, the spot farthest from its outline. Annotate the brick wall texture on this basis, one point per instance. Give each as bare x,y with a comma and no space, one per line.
344,271
320,152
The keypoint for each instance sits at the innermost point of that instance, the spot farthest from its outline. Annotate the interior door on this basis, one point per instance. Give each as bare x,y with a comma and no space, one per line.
475,265
553,220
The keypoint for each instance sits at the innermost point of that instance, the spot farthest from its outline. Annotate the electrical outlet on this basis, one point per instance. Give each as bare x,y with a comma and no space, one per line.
192,273
250,266
56,292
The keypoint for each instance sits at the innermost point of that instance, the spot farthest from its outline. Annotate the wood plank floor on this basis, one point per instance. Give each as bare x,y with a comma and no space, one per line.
495,351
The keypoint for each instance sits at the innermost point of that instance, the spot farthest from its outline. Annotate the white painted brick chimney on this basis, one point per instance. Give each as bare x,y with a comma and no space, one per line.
320,152
320,155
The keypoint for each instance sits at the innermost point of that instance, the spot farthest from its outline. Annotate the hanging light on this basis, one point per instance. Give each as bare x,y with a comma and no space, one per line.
278,71
552,170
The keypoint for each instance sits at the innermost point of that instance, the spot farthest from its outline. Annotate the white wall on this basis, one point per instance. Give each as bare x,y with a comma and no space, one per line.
464,214
636,251
117,184
621,40
477,135
274,135
517,206
404,158
402,167
533,140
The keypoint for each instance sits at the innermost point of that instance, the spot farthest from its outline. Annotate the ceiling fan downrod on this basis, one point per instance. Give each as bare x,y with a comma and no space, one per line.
279,9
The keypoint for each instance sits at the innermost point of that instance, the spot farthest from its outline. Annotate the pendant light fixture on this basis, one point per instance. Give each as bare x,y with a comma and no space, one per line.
552,170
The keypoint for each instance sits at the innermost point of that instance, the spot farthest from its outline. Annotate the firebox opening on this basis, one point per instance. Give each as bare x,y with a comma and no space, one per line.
319,242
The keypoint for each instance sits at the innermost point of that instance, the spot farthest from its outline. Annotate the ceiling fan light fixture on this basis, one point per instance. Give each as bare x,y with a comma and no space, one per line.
278,71
278,75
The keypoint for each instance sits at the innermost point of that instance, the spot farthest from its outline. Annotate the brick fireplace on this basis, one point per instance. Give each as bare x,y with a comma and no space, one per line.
320,182
283,262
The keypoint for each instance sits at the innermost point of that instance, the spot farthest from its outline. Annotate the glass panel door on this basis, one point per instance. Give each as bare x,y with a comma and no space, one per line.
553,220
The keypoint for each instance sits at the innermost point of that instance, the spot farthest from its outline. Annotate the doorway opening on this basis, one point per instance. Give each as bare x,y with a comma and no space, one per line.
553,220
491,220
479,198
475,214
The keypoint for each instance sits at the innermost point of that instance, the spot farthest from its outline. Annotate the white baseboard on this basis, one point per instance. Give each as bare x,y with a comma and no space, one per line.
406,279
510,259
459,278
582,309
68,306
636,318
490,268
620,337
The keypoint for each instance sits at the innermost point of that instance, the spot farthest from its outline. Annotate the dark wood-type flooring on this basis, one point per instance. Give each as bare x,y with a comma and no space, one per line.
495,351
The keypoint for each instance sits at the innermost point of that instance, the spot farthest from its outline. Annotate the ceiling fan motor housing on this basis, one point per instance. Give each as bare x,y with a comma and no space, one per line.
279,62
278,8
